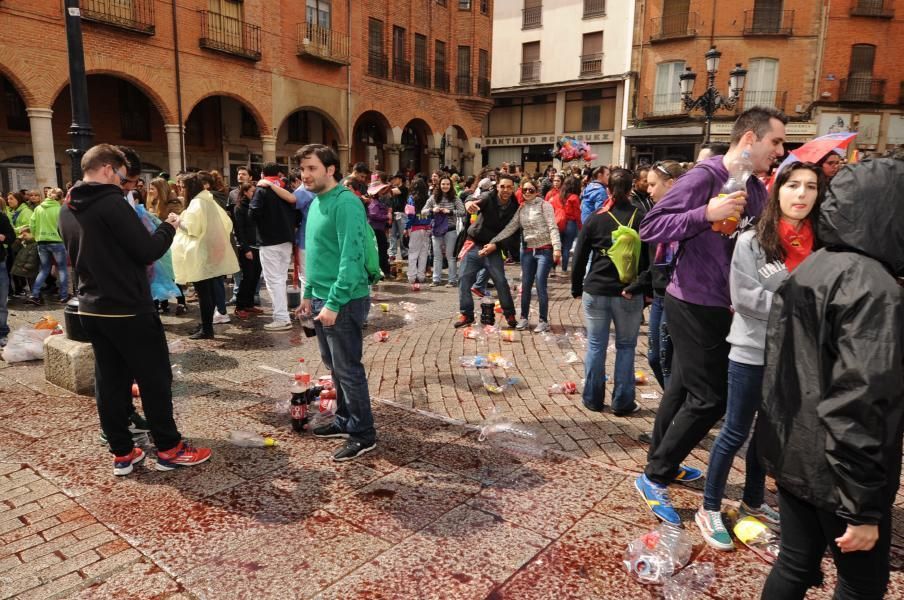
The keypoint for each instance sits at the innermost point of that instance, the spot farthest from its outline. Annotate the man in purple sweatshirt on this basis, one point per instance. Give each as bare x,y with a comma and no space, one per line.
697,299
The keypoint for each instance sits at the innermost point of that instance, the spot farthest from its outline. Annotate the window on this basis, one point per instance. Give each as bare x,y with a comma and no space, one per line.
421,69
401,68
860,85
318,12
134,113
464,4
767,16
376,58
463,83
592,54
532,15
249,124
759,90
590,110
863,57
16,116
441,2
590,117
530,62
483,73
675,17
484,7
667,94
441,77
594,8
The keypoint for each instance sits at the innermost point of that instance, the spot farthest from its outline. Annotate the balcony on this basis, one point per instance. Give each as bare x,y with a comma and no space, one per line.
873,8
663,105
463,85
401,70
483,87
865,90
422,76
323,43
592,65
594,9
766,98
530,71
762,21
230,36
137,15
441,81
673,27
532,18
377,65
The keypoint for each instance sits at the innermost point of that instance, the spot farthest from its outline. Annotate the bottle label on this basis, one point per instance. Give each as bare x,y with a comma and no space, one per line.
299,411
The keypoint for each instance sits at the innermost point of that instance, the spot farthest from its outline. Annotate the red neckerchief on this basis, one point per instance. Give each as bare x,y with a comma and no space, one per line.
274,180
797,244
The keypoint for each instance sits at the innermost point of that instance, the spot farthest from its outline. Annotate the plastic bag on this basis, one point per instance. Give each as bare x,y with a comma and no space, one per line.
516,438
655,556
25,344
689,583
248,439
47,322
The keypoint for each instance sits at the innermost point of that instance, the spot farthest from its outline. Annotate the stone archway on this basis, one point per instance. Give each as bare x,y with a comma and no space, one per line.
371,141
416,144
224,132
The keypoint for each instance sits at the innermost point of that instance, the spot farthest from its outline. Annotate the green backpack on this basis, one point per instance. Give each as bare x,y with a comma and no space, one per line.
625,250
372,257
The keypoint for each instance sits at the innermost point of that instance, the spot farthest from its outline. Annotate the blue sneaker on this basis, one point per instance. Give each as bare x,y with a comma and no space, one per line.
657,498
687,474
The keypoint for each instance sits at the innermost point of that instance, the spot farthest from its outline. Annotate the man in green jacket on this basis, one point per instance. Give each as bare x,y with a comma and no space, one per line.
44,229
337,293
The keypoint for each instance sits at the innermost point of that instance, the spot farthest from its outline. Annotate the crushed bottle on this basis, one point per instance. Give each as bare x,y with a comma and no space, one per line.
757,536
509,436
689,583
381,336
656,555
570,358
484,361
567,387
248,439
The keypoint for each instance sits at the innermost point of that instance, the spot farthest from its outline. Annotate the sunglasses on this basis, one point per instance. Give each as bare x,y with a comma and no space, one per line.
662,170
529,190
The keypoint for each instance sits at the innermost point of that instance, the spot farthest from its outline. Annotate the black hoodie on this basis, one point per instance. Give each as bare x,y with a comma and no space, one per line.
832,415
110,250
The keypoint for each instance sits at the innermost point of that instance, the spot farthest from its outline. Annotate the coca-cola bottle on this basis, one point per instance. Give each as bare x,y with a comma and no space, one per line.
487,313
299,404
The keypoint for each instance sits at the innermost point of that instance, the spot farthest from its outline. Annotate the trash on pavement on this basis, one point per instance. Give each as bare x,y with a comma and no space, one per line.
24,344
567,387
656,555
689,583
247,439
509,436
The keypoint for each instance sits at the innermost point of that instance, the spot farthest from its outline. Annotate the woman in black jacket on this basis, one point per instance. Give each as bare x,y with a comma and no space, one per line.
832,416
249,254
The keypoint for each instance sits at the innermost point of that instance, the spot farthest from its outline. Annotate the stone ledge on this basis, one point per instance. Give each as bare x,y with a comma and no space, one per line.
69,364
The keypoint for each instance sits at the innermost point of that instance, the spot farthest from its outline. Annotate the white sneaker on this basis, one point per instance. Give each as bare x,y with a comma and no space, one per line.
522,325
219,318
277,326
541,327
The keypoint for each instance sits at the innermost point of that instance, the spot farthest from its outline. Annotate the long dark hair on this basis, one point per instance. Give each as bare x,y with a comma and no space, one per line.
419,193
570,185
620,183
767,229
439,196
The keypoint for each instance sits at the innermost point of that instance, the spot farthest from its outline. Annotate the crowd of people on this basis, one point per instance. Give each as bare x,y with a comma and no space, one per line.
787,326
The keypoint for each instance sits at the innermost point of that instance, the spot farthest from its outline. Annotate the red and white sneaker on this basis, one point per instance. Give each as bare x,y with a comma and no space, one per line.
415,287
122,465
183,455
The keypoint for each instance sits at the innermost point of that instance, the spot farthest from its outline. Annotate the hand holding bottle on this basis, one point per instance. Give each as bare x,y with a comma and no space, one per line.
726,207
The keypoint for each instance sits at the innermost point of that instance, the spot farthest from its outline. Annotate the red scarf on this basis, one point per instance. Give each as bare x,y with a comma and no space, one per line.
797,244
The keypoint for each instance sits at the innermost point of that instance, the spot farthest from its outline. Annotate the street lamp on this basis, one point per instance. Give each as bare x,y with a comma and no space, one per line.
711,100
80,131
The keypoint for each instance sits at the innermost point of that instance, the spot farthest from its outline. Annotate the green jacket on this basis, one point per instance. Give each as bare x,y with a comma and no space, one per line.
335,233
20,218
45,222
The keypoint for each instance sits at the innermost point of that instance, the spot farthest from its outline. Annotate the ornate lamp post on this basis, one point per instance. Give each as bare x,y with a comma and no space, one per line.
711,100
80,131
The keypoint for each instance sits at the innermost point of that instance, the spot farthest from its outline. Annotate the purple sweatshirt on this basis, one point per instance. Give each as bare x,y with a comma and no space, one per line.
704,260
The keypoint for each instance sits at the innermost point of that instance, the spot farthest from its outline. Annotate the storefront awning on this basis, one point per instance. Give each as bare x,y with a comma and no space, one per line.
665,131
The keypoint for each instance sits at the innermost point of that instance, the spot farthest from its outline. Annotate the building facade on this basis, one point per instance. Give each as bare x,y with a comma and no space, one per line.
219,84
860,82
560,68
776,41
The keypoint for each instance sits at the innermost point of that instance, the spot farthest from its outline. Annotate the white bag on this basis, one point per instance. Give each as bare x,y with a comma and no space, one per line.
25,344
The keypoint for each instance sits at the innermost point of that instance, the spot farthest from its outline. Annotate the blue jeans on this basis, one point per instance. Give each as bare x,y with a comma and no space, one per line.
4,298
654,352
568,236
449,240
744,398
57,251
599,312
494,265
482,278
535,266
341,347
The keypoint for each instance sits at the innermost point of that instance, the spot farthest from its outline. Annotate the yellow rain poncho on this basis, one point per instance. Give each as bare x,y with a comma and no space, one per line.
201,249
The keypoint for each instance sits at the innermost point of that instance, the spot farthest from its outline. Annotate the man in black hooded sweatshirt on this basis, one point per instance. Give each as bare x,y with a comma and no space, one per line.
110,250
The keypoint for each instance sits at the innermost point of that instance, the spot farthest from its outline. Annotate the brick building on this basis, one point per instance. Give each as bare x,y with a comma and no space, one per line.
395,84
776,41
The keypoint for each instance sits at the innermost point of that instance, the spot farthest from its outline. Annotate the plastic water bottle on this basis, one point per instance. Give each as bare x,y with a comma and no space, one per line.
689,583
654,557
301,378
247,439
739,171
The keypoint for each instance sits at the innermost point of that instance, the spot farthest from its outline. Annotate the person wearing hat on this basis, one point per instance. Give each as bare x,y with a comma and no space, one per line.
379,214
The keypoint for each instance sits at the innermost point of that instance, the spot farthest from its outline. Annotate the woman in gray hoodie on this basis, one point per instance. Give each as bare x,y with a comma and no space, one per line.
762,260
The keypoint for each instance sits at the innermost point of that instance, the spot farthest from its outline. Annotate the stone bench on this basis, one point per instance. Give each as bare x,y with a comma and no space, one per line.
69,364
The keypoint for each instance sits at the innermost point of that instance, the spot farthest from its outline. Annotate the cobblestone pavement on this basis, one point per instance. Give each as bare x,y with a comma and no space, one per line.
432,513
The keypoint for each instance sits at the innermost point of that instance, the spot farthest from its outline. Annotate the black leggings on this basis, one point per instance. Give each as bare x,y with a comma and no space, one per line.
206,300
806,531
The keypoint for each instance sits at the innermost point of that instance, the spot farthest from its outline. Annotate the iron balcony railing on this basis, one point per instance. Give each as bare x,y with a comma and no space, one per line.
483,87
532,18
674,26
422,76
441,81
401,70
664,105
592,64
229,35
463,85
594,8
134,15
377,65
767,21
323,43
862,89
767,98
873,8
530,71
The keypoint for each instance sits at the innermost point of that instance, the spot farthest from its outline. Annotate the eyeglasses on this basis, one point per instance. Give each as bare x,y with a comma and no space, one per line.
529,190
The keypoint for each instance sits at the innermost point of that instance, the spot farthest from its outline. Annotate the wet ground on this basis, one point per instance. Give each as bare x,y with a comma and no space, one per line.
432,513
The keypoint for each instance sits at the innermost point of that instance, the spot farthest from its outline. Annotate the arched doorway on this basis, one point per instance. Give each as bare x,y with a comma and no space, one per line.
456,146
121,113
16,159
305,126
223,133
413,155
369,139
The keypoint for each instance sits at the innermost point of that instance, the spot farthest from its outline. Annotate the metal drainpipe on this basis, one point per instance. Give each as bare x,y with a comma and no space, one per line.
178,91
348,88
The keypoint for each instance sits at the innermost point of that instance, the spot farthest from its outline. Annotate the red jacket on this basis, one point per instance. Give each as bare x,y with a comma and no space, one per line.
570,210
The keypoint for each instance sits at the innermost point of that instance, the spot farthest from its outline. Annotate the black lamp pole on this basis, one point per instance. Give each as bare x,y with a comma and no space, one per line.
711,100
80,131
